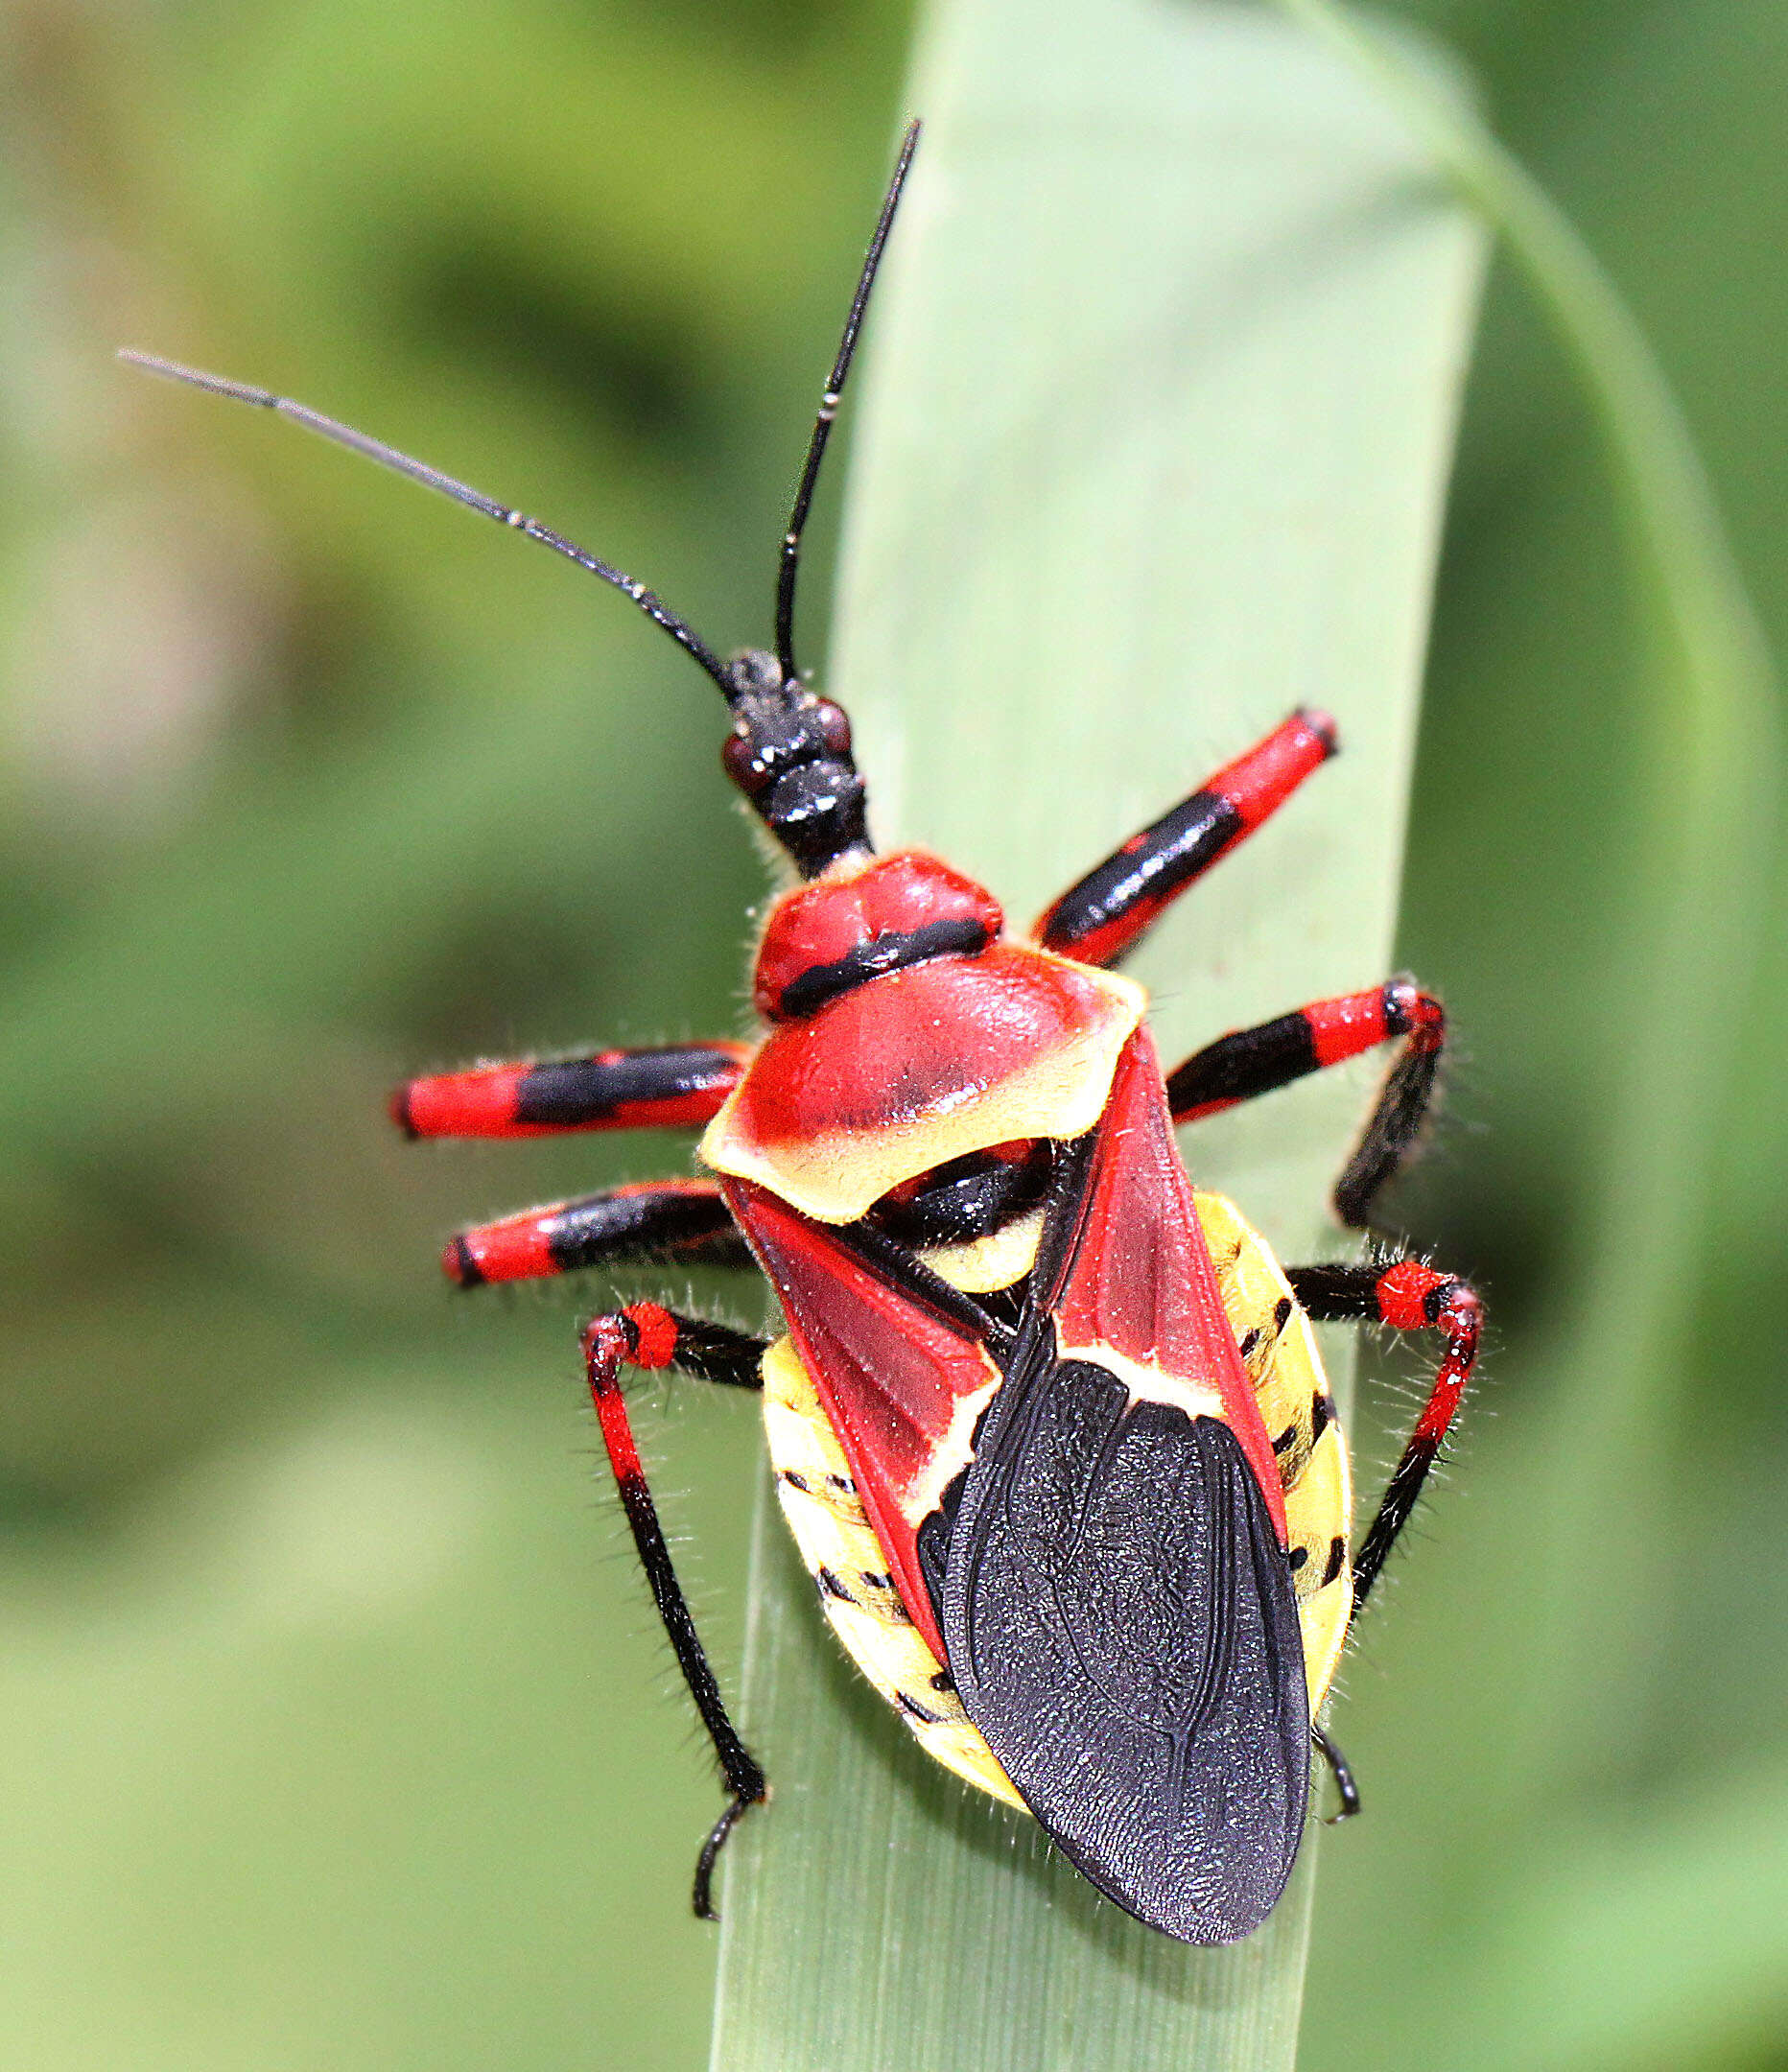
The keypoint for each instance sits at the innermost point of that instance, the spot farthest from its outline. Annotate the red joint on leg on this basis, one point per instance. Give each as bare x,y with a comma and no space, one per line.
1462,1314
1257,783
1413,1297
462,1104
656,1333
1323,727
519,1248
459,1264
1404,1295
607,1343
1343,1027
1411,1012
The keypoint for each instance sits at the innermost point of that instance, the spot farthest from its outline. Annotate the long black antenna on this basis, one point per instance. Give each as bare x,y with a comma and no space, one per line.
655,608
829,409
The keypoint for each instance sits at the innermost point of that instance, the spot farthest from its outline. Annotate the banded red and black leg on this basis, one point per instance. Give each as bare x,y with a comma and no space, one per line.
1103,917
679,1086
1250,1062
664,1222
1407,1296
644,1335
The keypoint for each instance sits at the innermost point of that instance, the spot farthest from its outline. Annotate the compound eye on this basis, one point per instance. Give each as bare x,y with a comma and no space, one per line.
743,764
834,727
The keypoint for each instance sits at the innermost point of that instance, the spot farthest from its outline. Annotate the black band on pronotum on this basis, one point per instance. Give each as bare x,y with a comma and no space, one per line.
881,955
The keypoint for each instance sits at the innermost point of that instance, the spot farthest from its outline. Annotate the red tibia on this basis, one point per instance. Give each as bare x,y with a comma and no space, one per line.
1260,782
1418,1014
640,1335
1140,1280
1414,1297
606,1348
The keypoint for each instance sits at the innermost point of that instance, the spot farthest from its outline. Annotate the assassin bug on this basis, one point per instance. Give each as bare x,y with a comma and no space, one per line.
1047,1422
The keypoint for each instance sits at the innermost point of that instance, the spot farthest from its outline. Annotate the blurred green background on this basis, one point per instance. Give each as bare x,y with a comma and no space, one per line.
335,1726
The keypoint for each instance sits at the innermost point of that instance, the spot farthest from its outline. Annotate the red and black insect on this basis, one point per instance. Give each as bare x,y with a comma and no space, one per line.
1048,1421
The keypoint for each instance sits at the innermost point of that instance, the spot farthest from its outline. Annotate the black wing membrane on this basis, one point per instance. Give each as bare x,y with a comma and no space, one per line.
1119,1620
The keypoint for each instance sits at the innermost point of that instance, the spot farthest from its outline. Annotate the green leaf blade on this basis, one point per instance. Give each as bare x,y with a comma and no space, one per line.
1155,429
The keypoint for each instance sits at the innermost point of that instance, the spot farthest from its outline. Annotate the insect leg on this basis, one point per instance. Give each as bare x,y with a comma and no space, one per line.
1253,1061
1347,1790
644,1335
683,1084
680,1220
1103,917
1407,1296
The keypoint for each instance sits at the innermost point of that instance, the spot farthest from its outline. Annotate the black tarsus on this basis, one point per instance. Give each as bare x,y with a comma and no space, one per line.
829,408
1342,1771
701,1899
719,1354
1390,1133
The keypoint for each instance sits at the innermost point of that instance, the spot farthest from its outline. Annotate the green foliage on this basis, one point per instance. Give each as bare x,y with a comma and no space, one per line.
336,1728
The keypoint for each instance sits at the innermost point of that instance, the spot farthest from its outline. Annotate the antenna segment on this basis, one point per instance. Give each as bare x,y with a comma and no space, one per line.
829,409
330,428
